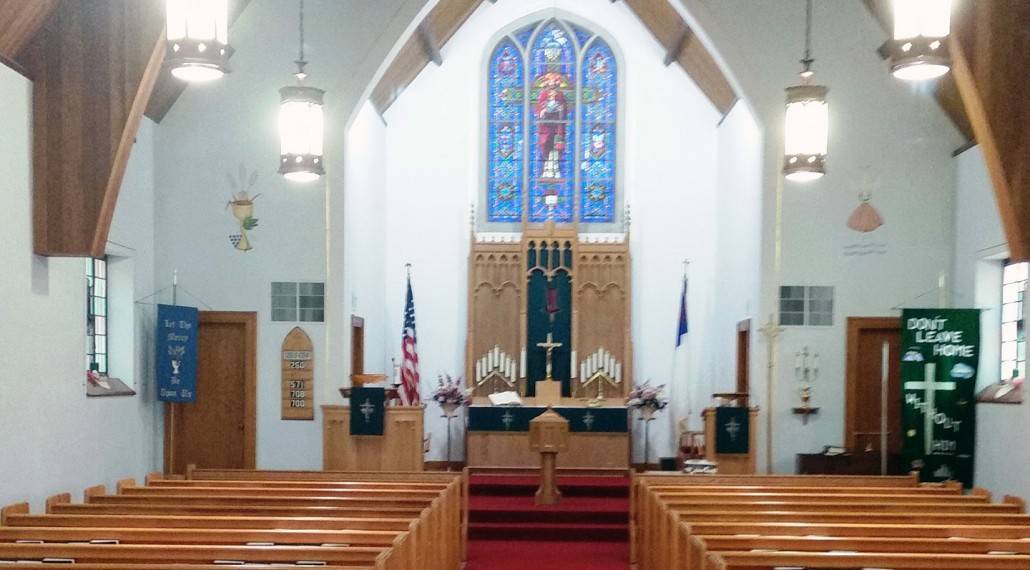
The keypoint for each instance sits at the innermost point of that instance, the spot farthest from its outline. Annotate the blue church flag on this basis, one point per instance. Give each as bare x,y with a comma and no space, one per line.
176,353
682,329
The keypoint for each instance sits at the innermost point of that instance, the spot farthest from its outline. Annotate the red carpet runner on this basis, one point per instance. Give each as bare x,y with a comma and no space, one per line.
588,530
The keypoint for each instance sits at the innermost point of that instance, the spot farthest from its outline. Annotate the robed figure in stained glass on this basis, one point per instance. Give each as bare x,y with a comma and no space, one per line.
552,113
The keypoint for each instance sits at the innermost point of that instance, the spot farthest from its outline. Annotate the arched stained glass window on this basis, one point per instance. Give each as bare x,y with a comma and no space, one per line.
558,84
507,91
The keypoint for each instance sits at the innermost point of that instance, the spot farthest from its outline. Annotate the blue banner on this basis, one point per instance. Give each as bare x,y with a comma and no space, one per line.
176,353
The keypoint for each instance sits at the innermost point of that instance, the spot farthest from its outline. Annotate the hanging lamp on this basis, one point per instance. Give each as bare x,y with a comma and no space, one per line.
197,39
301,124
919,47
806,126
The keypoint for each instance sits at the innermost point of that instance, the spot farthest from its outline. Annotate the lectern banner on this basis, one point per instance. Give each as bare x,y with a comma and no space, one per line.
176,358
732,429
940,350
367,411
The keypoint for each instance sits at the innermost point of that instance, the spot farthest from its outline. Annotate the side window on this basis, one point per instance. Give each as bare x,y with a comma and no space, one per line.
97,315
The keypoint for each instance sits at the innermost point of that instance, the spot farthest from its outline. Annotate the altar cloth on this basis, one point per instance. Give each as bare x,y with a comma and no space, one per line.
609,419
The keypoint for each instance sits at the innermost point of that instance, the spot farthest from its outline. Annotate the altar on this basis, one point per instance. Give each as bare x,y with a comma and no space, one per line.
498,437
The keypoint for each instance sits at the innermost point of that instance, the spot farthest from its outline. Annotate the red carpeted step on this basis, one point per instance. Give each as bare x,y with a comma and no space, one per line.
520,485
569,510
510,555
538,531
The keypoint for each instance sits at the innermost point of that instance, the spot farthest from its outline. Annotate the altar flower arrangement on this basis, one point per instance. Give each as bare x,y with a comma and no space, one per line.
647,398
450,393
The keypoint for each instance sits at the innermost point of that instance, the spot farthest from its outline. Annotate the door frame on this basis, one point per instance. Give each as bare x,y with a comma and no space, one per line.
744,357
249,321
855,327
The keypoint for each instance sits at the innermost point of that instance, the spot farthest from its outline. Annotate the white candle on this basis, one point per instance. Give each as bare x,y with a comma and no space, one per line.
523,358
572,362
618,372
583,372
479,371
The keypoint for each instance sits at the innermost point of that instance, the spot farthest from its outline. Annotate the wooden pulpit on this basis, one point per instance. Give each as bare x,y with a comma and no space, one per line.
549,436
731,443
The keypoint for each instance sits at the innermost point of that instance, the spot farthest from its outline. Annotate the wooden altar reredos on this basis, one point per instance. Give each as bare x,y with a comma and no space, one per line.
505,275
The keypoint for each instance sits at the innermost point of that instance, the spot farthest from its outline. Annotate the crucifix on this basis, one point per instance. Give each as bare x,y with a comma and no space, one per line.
929,387
549,346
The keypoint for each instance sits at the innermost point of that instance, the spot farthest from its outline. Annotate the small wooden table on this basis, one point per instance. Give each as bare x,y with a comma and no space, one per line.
398,449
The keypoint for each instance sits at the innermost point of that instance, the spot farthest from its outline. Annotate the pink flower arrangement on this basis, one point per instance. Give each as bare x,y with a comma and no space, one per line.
647,396
451,391
93,377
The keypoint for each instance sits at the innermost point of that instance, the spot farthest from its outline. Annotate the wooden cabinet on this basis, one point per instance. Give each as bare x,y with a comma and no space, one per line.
398,449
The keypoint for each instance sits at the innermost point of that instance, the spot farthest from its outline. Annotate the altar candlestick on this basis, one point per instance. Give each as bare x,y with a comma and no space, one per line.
618,372
479,371
572,365
523,358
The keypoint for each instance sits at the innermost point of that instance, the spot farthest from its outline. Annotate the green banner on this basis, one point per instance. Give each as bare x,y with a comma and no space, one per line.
940,350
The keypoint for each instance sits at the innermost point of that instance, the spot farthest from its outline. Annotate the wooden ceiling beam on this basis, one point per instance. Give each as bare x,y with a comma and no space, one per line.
432,34
669,29
20,21
94,66
429,45
989,52
169,89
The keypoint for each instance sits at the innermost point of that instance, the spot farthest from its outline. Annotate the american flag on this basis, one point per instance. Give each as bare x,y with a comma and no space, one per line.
409,346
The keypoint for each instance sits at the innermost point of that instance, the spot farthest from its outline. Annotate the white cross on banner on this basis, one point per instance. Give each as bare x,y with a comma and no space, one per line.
930,388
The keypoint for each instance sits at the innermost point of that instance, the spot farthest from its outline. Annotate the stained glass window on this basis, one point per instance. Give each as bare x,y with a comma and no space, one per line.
96,315
558,84
597,134
506,149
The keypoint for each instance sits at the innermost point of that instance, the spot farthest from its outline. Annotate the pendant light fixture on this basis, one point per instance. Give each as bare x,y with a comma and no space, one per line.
807,120
919,48
301,124
197,39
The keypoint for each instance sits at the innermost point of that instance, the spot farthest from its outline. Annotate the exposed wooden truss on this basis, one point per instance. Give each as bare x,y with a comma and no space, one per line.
93,64
990,48
681,46
20,20
423,46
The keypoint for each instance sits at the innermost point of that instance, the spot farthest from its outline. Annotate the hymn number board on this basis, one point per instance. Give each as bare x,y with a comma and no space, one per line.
298,376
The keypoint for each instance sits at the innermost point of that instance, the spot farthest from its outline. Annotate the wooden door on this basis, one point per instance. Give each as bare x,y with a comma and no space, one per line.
218,430
744,356
866,336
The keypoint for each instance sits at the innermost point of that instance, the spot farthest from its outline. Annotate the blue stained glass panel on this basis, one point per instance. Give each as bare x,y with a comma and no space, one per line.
582,35
506,147
551,107
523,35
597,134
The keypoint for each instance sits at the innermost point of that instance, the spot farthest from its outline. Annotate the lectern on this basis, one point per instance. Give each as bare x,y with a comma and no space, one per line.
548,435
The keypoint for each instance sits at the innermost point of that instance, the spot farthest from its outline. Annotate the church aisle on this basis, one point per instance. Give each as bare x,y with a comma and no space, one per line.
589,529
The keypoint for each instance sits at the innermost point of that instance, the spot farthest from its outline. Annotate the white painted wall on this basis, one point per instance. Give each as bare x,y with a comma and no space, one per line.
980,249
879,126
52,437
211,131
674,180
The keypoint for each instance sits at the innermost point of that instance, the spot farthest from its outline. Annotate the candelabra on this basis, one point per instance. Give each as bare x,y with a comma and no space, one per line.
806,371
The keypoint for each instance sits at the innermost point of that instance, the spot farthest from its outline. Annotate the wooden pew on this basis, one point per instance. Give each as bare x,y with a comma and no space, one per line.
814,561
701,545
661,515
425,531
361,556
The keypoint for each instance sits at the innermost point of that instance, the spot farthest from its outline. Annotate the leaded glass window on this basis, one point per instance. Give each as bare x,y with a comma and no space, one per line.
96,315
1013,320
558,84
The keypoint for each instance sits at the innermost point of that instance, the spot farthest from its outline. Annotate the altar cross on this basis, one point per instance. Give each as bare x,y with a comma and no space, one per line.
366,410
549,346
930,389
